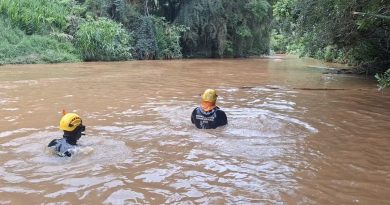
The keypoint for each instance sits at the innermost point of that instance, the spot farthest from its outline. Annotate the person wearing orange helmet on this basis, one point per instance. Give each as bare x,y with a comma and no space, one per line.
73,128
208,115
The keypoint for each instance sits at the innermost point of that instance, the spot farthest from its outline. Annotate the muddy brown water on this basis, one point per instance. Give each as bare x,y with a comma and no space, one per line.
289,140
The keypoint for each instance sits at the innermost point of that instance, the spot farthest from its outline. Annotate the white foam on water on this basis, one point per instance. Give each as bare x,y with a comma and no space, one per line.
255,130
26,82
111,184
131,112
34,162
124,196
10,177
77,184
109,128
10,109
11,132
157,175
8,86
239,157
194,193
19,190
7,100
263,118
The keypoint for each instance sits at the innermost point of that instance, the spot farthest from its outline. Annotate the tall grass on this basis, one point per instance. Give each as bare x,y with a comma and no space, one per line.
34,16
103,39
16,47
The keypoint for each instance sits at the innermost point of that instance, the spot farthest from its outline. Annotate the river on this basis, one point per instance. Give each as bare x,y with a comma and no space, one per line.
288,141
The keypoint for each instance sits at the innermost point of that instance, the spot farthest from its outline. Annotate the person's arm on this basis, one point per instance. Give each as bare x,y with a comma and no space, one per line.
222,118
193,116
52,143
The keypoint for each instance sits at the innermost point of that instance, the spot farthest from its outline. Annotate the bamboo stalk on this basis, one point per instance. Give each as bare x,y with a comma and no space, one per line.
369,14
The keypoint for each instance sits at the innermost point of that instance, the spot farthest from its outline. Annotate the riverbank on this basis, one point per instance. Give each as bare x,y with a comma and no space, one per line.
325,67
329,68
68,56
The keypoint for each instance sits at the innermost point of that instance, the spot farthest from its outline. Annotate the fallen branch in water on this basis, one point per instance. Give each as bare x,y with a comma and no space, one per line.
313,89
319,89
268,87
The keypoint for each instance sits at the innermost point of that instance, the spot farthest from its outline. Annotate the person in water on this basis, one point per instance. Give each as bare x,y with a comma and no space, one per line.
73,128
208,115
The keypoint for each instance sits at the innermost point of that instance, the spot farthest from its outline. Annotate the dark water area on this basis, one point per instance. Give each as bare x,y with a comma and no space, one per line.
295,135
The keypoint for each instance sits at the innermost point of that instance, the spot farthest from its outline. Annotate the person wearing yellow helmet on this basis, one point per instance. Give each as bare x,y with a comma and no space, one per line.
73,128
208,115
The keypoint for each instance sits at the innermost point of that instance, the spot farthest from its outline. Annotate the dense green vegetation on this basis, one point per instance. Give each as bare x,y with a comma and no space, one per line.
36,16
383,79
31,32
103,39
134,29
221,28
17,47
355,32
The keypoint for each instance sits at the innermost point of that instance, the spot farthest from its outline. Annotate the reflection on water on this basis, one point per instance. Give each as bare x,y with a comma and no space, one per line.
281,146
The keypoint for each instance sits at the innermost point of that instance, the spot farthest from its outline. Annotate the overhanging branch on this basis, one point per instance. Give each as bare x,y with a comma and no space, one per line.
369,14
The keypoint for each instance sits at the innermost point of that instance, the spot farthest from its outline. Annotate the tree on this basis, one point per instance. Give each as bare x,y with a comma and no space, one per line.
225,28
354,32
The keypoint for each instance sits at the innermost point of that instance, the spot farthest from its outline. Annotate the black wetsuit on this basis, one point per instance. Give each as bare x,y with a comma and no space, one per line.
65,147
208,120
62,147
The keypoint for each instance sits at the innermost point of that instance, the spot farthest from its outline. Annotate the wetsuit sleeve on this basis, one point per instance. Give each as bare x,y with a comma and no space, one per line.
193,116
52,143
222,119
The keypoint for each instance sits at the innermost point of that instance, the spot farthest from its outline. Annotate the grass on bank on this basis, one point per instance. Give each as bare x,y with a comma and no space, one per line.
18,48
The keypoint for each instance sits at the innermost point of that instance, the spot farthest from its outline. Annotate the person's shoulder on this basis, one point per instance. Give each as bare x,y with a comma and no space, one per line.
220,111
221,115
195,110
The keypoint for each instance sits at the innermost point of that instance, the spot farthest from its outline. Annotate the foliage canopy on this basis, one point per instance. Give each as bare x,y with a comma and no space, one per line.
354,32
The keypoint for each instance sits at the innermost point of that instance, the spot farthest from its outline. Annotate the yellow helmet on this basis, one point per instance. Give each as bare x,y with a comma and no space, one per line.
70,122
209,95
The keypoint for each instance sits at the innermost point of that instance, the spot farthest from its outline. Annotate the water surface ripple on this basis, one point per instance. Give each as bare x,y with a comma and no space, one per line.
284,144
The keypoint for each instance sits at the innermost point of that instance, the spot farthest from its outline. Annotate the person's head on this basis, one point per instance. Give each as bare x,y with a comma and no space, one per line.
209,99
72,125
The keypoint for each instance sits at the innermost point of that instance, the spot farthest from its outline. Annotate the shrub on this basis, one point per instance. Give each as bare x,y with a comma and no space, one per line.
146,46
157,39
383,79
103,39
168,38
278,42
